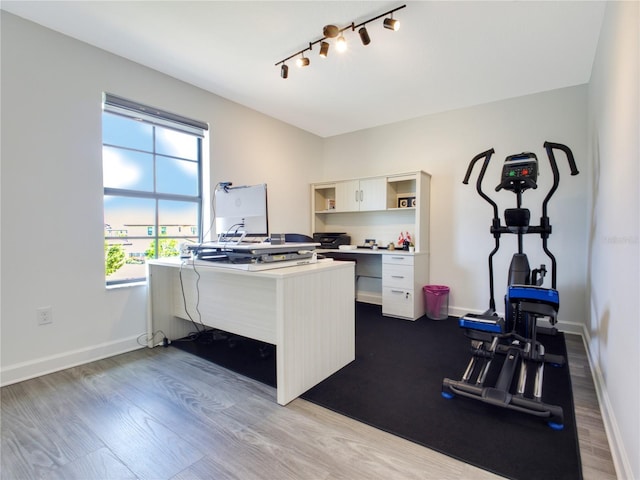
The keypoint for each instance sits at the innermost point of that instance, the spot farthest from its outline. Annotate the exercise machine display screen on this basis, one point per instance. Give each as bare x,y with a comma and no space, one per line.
520,172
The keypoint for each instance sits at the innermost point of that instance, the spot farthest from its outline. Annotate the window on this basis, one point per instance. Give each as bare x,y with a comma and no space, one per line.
152,175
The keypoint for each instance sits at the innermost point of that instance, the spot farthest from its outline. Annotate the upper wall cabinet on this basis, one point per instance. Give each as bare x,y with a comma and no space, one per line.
375,207
361,195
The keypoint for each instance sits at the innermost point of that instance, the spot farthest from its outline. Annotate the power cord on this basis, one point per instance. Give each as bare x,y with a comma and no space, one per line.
144,339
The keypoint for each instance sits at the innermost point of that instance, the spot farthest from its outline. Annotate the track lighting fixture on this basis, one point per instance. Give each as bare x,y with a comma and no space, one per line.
364,36
391,24
331,31
324,49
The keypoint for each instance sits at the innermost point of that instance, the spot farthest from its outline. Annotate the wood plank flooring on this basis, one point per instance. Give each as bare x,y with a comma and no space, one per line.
165,414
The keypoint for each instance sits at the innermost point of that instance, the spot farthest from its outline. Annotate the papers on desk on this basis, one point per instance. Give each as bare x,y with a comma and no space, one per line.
259,266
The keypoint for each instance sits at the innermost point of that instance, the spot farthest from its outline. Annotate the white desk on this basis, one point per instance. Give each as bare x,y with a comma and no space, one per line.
390,278
307,312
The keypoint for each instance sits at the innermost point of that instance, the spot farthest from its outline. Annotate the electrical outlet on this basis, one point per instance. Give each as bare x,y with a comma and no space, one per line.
44,315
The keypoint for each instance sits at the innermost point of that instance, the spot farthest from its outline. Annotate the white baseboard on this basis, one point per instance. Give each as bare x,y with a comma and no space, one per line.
42,366
368,297
618,452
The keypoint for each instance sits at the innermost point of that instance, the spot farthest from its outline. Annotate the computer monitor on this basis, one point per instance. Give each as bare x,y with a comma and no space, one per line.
241,211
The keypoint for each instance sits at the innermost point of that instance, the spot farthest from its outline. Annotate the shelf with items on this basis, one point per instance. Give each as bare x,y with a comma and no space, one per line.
324,198
401,191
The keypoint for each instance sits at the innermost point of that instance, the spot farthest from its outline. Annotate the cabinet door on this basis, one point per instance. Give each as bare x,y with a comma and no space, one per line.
373,194
348,196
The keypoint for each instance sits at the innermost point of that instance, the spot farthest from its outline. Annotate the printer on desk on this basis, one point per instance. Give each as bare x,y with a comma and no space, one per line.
331,240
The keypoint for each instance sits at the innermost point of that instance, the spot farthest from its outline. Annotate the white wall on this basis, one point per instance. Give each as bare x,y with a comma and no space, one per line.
460,242
614,151
51,198
52,227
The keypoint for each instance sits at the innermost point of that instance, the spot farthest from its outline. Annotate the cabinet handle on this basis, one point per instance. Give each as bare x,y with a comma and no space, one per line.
361,195
397,291
356,192
397,276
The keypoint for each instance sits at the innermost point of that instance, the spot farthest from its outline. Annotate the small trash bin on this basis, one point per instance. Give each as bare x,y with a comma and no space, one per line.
436,301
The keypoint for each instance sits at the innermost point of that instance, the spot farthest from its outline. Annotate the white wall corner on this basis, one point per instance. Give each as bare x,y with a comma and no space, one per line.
616,445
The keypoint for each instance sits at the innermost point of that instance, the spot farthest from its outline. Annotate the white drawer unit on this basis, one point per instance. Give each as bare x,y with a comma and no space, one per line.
401,289
397,302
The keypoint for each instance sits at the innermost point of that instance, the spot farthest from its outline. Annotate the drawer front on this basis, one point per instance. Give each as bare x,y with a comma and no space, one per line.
397,302
398,276
397,259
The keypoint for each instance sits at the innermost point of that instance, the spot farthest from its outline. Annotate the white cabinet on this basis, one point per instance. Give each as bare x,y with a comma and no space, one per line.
361,195
402,279
381,208
374,208
373,194
347,196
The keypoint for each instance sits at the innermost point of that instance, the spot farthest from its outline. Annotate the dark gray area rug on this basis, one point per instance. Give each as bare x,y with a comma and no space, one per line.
395,385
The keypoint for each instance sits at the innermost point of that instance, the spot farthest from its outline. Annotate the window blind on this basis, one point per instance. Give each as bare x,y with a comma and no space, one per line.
128,108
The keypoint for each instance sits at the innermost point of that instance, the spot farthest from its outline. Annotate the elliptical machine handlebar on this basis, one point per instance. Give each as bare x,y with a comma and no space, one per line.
544,220
549,147
487,157
496,218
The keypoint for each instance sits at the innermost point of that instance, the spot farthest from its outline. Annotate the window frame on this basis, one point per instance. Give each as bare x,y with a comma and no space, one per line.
134,111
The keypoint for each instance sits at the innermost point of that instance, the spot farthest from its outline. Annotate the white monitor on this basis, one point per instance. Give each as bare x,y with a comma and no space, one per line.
241,211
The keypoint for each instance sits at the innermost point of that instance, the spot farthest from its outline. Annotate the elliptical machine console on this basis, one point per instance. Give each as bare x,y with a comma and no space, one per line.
513,338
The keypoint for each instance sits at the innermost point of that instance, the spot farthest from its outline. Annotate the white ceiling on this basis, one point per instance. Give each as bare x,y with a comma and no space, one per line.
446,55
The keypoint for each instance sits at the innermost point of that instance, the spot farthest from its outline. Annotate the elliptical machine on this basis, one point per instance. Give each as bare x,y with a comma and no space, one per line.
514,337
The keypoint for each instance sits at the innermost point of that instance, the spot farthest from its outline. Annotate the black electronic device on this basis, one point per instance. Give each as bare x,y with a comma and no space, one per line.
519,172
331,239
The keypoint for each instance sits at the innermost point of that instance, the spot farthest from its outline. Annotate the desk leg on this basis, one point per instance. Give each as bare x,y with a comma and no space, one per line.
316,329
160,308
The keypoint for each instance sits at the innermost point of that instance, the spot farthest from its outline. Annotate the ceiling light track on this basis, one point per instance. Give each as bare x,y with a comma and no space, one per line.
331,31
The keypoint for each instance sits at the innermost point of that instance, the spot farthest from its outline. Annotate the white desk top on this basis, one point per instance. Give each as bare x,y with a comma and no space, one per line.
273,273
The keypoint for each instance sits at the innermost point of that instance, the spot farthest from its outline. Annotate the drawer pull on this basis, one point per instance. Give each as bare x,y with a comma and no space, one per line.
397,291
397,276
398,258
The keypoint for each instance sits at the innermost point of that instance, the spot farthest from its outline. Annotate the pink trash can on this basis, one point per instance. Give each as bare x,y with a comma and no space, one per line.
436,301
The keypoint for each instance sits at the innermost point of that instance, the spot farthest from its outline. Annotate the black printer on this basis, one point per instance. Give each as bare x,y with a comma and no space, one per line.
331,240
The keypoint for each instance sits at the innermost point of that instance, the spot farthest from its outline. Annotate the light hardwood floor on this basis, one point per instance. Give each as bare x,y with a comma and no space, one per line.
165,414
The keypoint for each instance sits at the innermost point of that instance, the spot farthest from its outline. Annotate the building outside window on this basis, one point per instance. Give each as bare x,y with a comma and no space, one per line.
152,170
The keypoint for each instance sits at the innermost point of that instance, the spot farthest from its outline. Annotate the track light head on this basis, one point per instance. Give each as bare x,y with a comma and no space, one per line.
392,24
284,71
341,43
364,36
330,31
324,49
302,61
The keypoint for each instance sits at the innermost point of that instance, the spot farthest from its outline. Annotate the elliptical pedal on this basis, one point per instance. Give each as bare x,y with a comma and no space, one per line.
483,323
